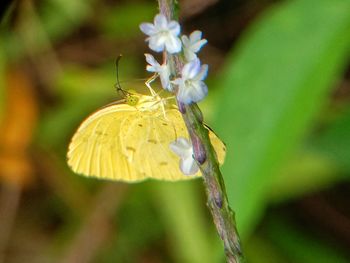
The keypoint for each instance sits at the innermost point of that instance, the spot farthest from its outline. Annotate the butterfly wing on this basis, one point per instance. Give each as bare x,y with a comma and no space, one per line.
95,147
122,143
145,141
219,146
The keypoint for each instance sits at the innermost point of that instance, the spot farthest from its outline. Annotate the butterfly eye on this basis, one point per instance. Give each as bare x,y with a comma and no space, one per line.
132,100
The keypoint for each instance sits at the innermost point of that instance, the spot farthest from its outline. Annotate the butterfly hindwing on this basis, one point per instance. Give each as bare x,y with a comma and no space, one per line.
145,141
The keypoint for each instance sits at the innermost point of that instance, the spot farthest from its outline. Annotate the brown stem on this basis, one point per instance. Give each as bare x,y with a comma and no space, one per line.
205,156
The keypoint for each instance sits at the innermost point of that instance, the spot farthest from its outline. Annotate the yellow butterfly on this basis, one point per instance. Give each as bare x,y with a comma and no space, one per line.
128,140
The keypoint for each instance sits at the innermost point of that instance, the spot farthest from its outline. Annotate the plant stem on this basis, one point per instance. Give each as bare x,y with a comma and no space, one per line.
205,156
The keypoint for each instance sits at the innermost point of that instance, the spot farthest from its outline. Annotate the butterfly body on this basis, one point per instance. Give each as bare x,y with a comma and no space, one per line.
129,141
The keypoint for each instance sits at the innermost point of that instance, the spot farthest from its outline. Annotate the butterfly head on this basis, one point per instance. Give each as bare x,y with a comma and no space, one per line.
131,99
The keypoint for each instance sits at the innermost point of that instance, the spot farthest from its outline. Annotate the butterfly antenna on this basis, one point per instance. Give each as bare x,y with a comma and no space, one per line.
117,85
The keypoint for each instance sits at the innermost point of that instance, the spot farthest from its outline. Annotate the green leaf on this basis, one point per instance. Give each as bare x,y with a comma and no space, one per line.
274,84
322,162
334,142
305,172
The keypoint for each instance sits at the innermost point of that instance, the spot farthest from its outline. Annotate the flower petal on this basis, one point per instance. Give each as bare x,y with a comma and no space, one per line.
198,92
153,64
178,81
164,74
173,44
182,96
156,44
162,34
147,28
191,69
196,46
181,147
202,74
160,22
194,92
174,28
188,166
151,60
151,68
189,54
195,36
185,41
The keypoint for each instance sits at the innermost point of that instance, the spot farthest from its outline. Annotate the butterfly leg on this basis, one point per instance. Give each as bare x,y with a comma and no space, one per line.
148,84
163,110
162,102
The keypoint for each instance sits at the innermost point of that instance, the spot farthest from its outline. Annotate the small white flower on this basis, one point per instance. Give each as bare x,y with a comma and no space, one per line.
183,148
191,87
162,34
162,70
192,44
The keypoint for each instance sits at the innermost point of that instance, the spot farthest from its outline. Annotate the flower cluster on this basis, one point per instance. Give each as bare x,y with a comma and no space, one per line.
164,36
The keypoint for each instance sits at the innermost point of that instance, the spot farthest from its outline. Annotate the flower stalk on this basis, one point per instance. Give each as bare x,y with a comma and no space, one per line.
205,157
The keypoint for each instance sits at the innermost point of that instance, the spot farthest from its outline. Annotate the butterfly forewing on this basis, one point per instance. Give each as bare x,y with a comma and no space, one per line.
95,147
128,143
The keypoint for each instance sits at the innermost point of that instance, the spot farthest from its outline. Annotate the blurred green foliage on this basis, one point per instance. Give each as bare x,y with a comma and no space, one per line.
286,136
274,84
299,246
334,141
123,21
